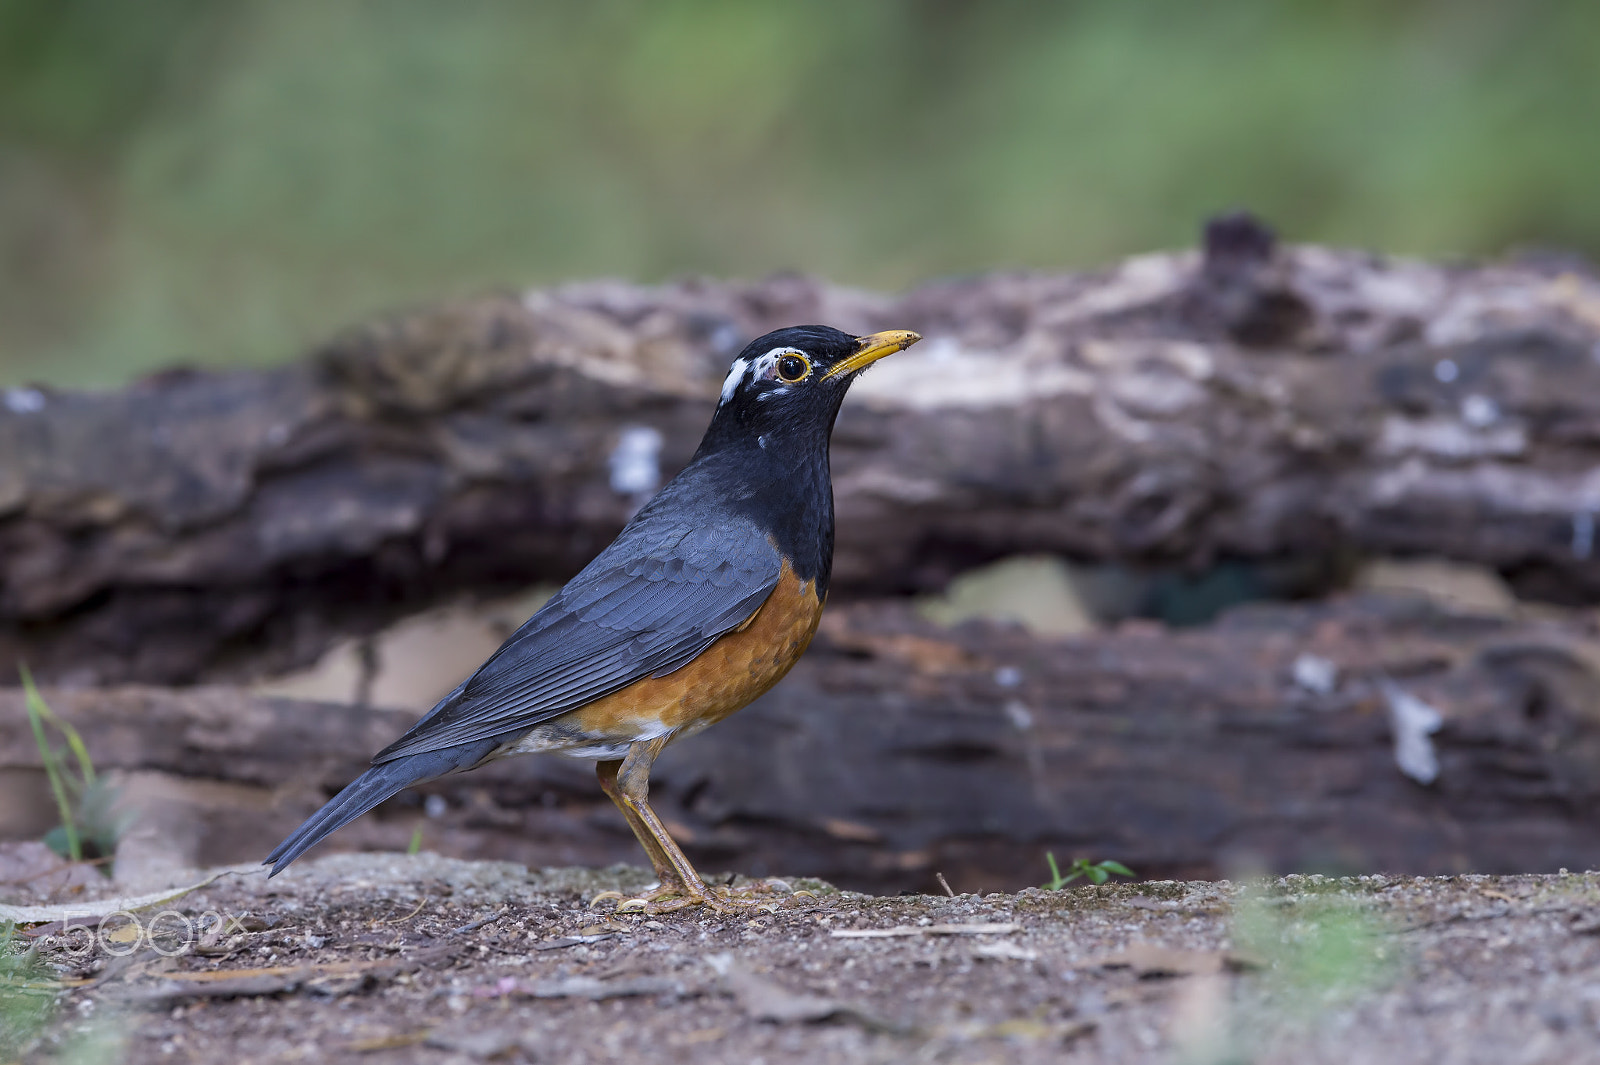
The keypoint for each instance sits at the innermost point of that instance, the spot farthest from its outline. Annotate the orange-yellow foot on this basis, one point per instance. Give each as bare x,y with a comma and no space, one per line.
664,898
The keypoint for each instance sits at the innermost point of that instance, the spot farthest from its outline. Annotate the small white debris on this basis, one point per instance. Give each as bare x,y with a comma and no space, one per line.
1451,438
1445,371
1316,674
1019,714
1479,411
435,806
1008,676
635,465
1413,722
24,400
1003,951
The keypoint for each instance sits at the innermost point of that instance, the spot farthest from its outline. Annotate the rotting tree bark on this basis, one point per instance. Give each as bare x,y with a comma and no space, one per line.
897,749
1248,402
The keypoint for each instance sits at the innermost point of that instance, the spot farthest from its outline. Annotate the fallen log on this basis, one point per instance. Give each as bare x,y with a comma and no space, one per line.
1286,737
1249,402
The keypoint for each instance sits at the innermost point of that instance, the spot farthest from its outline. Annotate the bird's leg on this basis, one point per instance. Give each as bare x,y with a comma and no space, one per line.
678,877
627,783
607,772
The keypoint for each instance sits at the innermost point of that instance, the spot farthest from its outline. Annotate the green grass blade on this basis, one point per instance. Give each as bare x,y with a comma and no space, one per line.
1055,873
79,750
37,710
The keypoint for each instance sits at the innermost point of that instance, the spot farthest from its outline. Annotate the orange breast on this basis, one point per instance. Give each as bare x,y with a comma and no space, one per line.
727,676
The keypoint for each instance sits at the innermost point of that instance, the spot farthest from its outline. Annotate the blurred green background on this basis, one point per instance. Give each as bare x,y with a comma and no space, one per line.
225,182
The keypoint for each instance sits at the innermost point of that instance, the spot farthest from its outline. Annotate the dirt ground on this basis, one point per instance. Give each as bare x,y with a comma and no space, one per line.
393,958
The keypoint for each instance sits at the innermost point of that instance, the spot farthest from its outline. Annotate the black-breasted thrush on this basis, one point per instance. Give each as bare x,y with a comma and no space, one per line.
701,604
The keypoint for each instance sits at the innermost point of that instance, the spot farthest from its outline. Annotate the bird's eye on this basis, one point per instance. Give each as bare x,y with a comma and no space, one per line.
792,368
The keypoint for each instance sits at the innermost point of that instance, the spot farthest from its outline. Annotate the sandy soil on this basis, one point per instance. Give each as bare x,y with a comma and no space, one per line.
389,958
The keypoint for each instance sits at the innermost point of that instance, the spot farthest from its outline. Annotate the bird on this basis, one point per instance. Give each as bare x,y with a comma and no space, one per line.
702,603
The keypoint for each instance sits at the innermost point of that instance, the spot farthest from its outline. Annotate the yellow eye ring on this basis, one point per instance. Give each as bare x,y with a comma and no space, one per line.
792,367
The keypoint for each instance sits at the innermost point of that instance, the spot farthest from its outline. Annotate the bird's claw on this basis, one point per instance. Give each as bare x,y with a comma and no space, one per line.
664,899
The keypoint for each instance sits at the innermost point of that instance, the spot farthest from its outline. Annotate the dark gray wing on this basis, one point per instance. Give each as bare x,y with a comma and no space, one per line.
647,605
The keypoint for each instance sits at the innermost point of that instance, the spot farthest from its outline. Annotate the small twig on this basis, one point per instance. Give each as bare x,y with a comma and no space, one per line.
402,920
574,941
945,884
475,925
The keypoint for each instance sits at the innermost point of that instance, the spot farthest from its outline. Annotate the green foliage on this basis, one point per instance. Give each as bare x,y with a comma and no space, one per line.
415,846
1097,872
1310,955
1320,954
27,994
229,181
90,826
38,713
89,829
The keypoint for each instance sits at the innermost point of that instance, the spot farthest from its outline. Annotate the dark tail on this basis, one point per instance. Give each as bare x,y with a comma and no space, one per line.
371,788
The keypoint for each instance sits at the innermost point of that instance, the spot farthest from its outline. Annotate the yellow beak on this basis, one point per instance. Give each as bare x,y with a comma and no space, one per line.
871,348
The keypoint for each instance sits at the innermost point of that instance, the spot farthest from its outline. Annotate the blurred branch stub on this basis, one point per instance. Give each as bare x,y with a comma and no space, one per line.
1253,401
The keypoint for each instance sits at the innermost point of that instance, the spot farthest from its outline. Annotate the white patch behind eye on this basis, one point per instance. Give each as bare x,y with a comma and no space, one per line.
767,365
735,375
765,368
761,368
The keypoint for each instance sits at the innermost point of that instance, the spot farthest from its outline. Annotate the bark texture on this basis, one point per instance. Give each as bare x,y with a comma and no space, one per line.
1242,402
897,749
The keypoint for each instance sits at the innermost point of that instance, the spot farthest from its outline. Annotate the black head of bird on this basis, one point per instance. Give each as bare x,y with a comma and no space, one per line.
701,604
791,382
765,453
